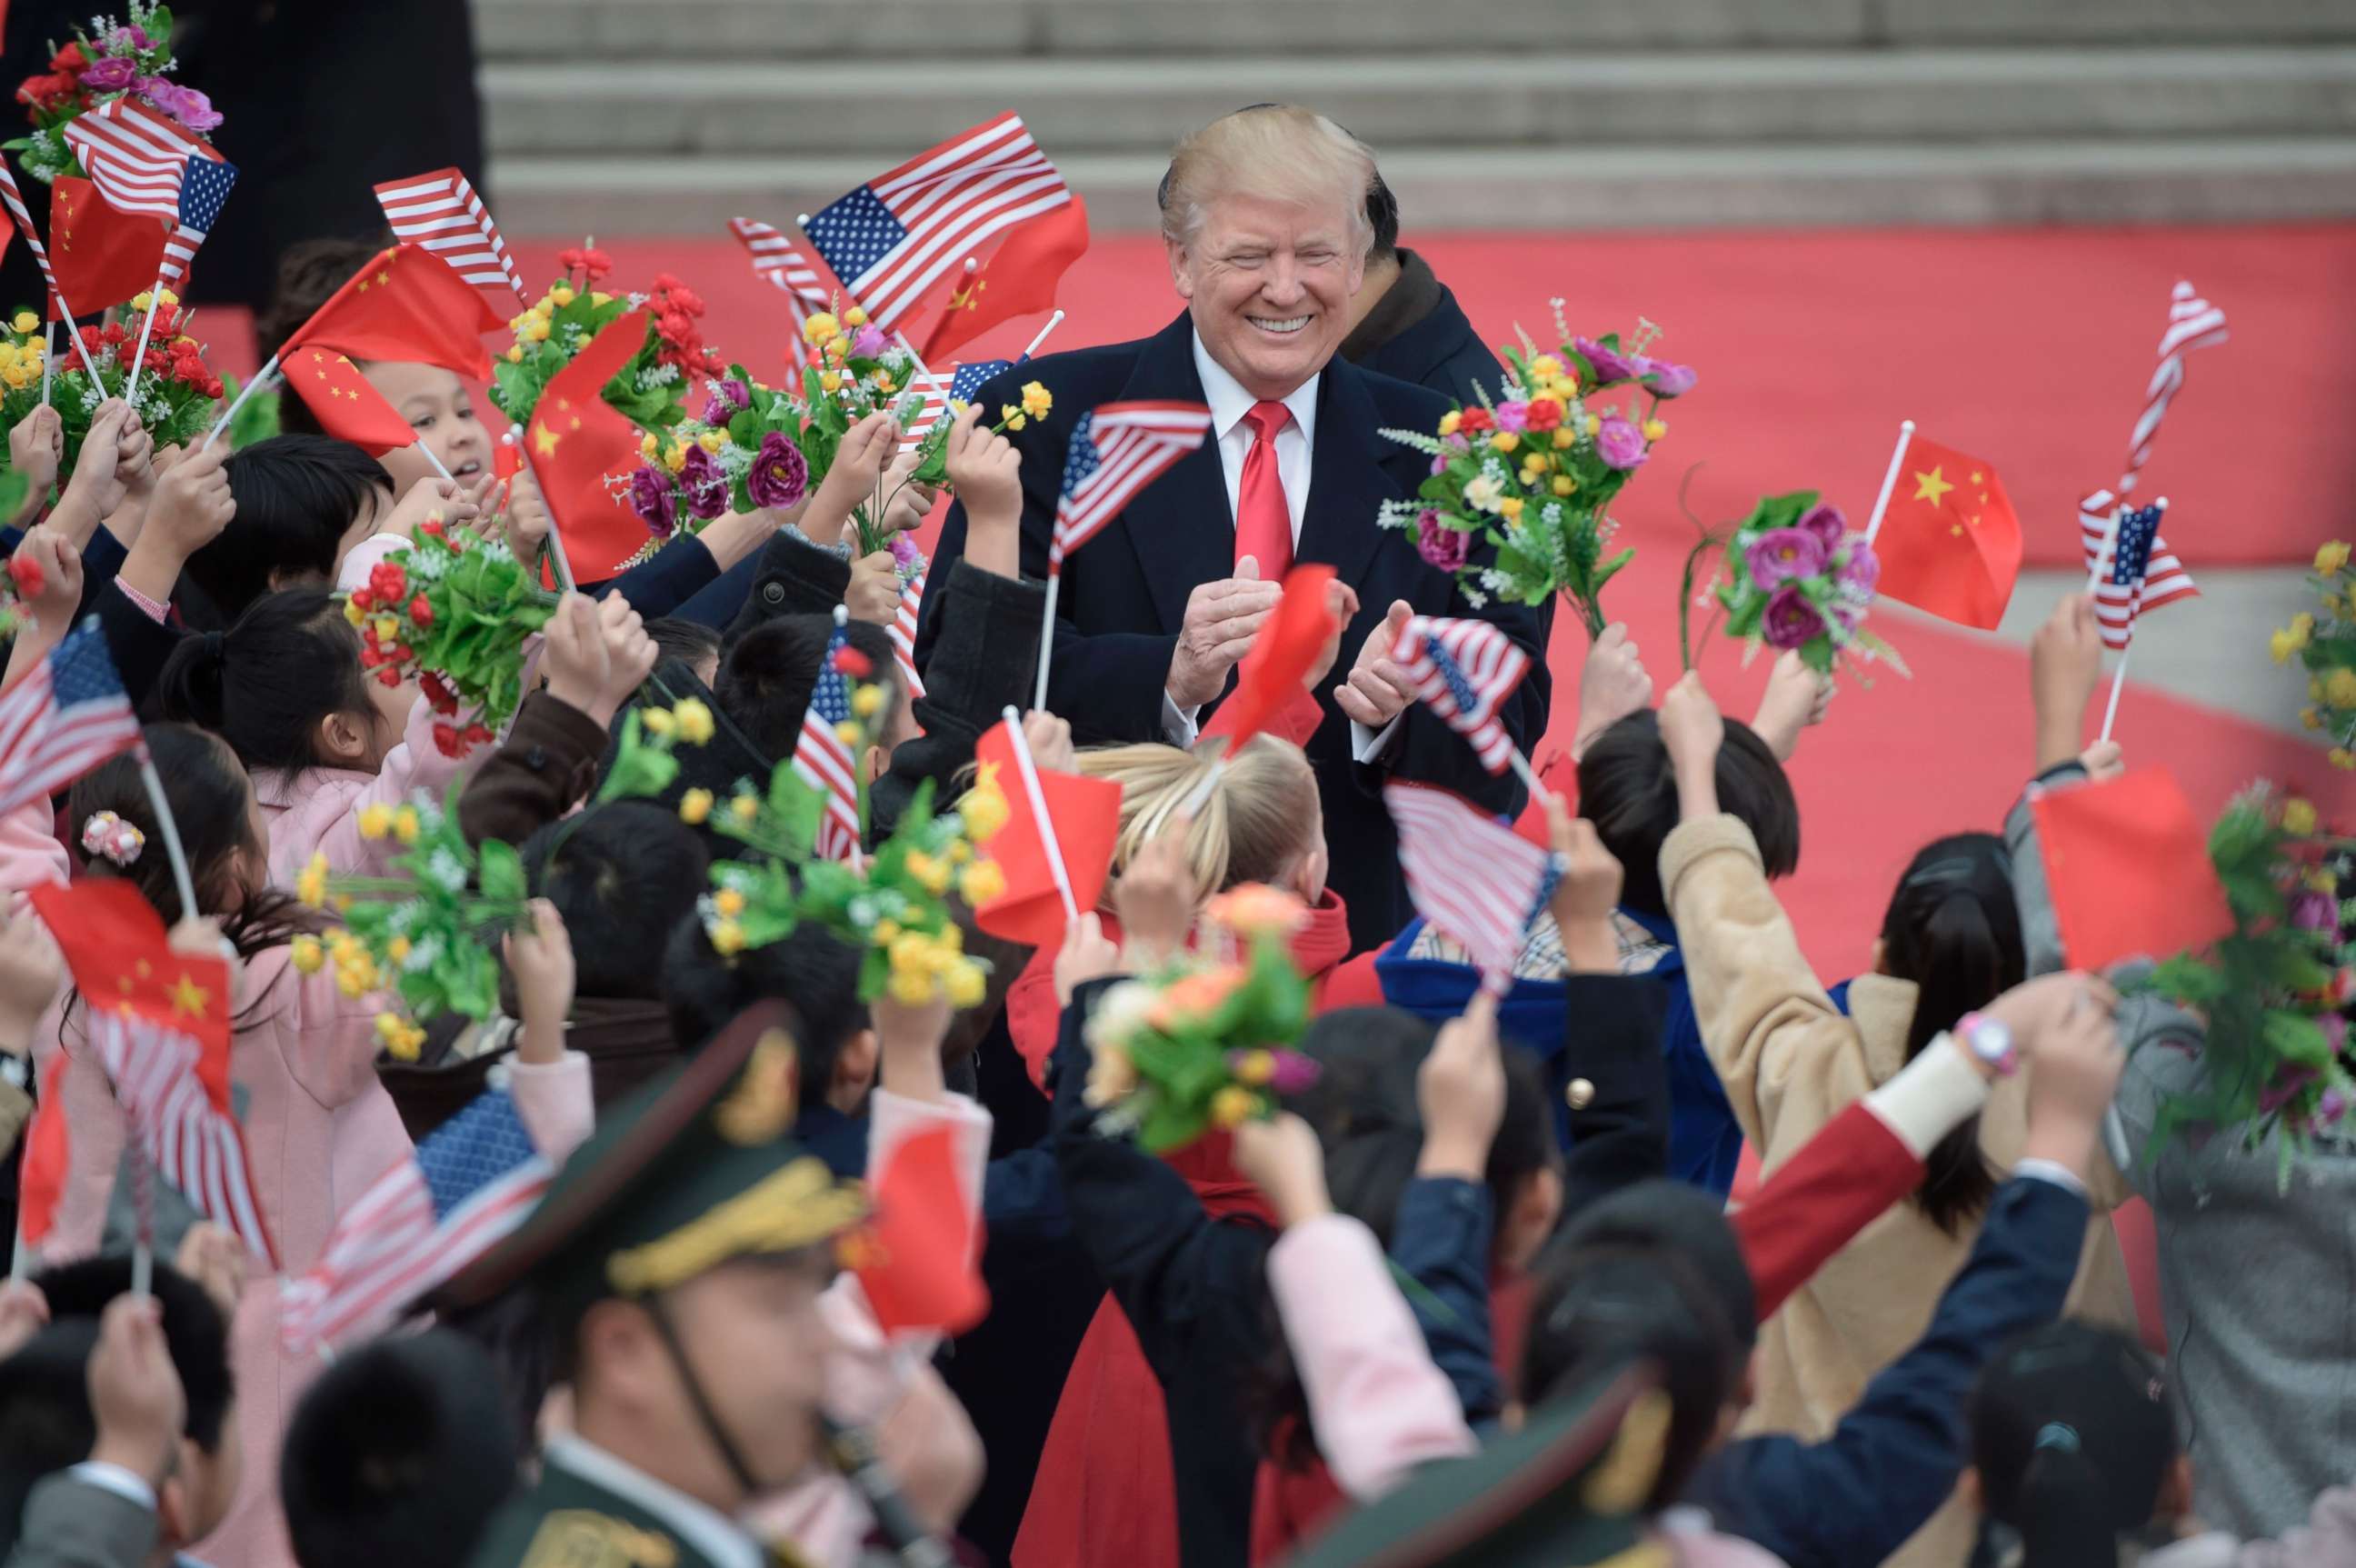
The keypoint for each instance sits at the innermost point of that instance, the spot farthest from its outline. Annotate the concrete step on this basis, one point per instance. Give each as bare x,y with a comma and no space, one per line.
1554,99
805,37
2154,179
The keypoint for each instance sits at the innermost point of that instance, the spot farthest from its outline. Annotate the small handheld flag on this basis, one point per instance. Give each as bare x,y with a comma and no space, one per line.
1471,876
1948,538
1271,674
343,402
918,1250
12,199
1065,849
573,442
140,159
779,262
824,760
65,717
902,632
175,1093
1463,670
407,303
103,257
2128,868
964,382
440,212
1020,279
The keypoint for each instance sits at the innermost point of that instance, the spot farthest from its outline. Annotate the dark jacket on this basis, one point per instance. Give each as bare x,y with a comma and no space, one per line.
627,1039
548,762
1417,332
1124,596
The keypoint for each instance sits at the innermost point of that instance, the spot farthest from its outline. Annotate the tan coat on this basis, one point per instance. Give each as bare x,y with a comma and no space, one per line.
1791,1063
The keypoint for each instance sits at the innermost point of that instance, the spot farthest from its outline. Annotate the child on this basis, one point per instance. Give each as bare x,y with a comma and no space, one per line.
302,502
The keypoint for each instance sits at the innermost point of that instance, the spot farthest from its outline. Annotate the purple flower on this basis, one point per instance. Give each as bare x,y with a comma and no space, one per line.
706,486
778,476
1665,379
110,73
2287,1087
726,398
904,553
870,343
1610,364
1620,445
2332,1105
1294,1073
1791,621
1781,553
1440,544
1514,416
185,104
2335,1031
1440,465
1861,573
2315,912
651,499
1823,520
128,38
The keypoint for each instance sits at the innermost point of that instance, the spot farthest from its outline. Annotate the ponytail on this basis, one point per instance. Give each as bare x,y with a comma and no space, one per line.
264,685
1254,825
2074,1437
2051,1512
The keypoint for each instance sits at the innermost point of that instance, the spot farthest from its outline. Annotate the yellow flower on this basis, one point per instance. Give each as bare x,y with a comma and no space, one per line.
831,381
25,321
562,294
727,937
406,824
2342,758
675,456
1037,401
1510,507
515,353
648,446
165,299
1563,437
306,955
2328,560
983,808
2310,718
657,721
1505,441
820,327
695,807
1450,421
387,628
981,882
1546,368
2339,688
1233,1106
912,951
600,298
375,821
1010,415
1112,1076
406,1046
17,376
965,983
2315,687
867,701
885,932
912,986
1594,425
1655,429
397,950
745,807
140,300
387,1027
854,317
353,982
1255,1067
838,350
310,886
694,720
959,852
2322,881
847,731
729,902
1564,484
354,614
2298,817
2289,640
932,874
884,383
535,330
712,440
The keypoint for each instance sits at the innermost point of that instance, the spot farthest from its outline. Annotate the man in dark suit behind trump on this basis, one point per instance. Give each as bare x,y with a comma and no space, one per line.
1264,218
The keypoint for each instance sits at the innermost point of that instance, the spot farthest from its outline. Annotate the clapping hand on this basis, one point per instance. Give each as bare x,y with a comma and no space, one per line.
1222,618
1341,607
1377,690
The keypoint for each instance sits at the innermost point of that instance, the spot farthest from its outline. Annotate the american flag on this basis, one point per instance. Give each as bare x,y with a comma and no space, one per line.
2162,579
964,382
65,717
1471,876
903,633
1464,669
891,238
471,1182
825,763
2122,584
192,1142
780,262
139,159
1116,451
440,212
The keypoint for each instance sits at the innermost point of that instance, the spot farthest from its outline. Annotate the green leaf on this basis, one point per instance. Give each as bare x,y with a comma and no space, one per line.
501,875
2295,1038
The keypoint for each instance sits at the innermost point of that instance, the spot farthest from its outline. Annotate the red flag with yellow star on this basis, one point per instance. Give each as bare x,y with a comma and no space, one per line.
343,402
1950,542
122,961
408,305
102,256
576,440
1019,280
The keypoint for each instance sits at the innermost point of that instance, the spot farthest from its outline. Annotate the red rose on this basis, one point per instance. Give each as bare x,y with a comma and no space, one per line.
1545,414
853,663
112,335
474,735
213,387
68,58
370,655
363,598
1475,420
665,283
388,676
432,526
674,325
445,740
420,610
685,298
388,581
595,264
27,574
439,697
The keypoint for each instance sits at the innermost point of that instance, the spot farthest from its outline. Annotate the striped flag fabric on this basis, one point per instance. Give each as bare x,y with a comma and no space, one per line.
779,262
138,157
202,192
892,238
2162,579
902,632
440,212
1117,450
1463,670
1470,875
65,717
963,383
824,761
2120,594
2192,323
182,1118
469,1184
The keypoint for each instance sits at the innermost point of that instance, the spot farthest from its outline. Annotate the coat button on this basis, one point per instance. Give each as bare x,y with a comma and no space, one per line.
536,759
1579,1094
773,593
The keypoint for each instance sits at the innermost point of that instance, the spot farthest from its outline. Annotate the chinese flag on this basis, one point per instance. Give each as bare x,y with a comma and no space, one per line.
406,304
343,402
2128,867
1269,681
1950,542
103,257
117,951
1087,813
915,1257
575,440
1020,279
41,1180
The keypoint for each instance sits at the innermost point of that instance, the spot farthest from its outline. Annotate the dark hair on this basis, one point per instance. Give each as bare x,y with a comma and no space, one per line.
1954,928
689,641
309,273
814,970
1382,213
1628,788
616,873
2073,1437
1674,1217
766,676
296,497
264,685
397,1455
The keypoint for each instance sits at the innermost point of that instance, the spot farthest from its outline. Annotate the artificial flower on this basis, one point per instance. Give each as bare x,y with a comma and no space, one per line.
2329,559
695,724
1037,401
2298,817
652,498
1665,380
1791,618
311,885
2339,688
701,479
778,477
1620,443
1781,553
1439,545
695,807
1609,363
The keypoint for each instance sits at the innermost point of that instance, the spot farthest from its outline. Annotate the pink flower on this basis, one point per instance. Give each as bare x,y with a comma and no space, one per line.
1824,522
870,343
1665,379
706,486
727,397
1781,553
1791,621
651,499
1514,416
1620,445
1861,573
778,477
2315,912
185,104
1610,364
110,73
2331,1107
1438,544
904,553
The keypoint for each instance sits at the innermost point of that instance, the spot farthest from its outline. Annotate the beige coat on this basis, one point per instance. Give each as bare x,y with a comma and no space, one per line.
1791,1063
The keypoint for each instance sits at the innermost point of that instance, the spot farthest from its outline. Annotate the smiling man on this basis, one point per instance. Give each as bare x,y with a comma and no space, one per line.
1264,218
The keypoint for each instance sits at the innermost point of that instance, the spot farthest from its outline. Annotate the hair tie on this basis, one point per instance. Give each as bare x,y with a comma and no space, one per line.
2058,1435
212,647
110,838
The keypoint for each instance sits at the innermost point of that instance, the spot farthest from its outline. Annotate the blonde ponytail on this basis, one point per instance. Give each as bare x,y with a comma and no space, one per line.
1254,826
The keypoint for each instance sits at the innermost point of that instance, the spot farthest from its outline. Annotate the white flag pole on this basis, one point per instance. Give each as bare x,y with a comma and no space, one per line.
1053,322
139,355
2119,676
1038,797
48,359
1890,479
268,372
1048,633
2119,680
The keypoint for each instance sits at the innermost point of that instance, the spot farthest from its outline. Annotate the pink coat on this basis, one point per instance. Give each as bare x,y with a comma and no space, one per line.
318,809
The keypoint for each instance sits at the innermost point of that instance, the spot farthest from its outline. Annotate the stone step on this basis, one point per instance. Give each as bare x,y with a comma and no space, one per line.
807,36
2088,180
1534,98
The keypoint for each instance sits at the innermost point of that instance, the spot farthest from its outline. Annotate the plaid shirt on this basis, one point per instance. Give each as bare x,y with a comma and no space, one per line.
1541,956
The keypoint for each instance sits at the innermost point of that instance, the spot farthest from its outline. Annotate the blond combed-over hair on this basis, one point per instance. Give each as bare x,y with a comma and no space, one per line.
1281,152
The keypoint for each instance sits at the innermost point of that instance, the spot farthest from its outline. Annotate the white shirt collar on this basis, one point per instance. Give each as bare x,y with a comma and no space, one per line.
711,1533
1229,402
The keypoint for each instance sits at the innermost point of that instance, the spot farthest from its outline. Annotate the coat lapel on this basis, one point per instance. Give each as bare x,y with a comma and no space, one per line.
1347,483
1179,525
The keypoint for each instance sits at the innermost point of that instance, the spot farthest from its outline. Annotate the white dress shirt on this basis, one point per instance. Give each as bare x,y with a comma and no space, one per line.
1295,444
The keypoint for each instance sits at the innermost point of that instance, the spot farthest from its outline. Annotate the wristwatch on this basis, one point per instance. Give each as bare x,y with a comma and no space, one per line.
1990,1040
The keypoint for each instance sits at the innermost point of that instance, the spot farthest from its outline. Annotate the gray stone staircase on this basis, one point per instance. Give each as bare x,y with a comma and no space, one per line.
668,116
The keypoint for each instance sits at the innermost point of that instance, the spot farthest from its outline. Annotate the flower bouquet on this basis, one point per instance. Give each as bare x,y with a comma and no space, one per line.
99,66
742,452
2326,646
430,935
1206,1044
2275,995
1531,474
177,392
651,389
1798,578
456,610
23,578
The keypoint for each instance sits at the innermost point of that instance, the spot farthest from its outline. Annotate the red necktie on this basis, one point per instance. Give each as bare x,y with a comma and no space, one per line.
1263,521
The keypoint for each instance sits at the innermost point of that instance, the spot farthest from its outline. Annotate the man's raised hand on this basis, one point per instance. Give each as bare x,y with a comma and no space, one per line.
1222,618
1377,690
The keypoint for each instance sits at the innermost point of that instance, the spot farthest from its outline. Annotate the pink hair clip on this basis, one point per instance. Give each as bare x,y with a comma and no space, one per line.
110,837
